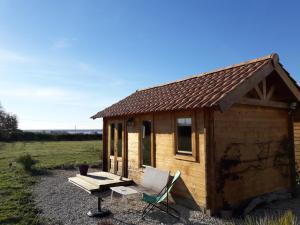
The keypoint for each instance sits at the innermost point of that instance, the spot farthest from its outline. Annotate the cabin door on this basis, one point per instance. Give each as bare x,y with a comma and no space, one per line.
116,148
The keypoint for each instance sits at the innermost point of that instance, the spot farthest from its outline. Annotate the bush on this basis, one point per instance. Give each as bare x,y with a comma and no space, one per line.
288,218
26,161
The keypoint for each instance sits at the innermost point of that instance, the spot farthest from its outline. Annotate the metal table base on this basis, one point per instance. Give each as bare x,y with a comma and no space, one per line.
99,212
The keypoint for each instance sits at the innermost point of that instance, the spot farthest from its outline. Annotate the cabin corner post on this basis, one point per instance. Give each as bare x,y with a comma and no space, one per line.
153,142
125,160
292,150
104,146
210,161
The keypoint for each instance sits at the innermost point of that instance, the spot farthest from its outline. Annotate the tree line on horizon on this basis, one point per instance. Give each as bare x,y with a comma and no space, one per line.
8,123
9,132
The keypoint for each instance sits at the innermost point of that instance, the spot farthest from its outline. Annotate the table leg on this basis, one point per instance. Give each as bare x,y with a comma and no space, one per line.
99,212
99,204
111,196
126,202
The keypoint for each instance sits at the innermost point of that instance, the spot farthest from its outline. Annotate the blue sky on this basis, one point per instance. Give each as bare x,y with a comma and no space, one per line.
62,61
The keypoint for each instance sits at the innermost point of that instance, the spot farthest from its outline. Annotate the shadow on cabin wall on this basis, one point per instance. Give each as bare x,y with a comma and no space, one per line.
181,195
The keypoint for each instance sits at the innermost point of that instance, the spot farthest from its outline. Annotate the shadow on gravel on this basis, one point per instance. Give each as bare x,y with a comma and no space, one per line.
155,217
41,172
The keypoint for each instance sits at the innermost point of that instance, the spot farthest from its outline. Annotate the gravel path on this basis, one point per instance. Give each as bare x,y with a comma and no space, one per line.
64,203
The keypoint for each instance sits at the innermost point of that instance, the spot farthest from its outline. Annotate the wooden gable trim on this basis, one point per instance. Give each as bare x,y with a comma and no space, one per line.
264,97
265,103
258,91
236,94
284,76
264,83
271,91
265,94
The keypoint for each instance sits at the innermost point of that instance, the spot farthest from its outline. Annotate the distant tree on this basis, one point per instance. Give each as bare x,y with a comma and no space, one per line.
8,123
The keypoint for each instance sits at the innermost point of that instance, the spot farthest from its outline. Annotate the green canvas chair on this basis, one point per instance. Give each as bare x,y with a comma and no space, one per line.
161,200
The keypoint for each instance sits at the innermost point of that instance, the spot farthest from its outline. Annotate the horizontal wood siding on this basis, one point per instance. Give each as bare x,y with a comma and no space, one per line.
191,186
297,142
255,136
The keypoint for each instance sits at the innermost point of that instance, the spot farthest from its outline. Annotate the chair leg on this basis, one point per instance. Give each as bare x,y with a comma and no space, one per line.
175,210
111,196
169,207
147,209
168,211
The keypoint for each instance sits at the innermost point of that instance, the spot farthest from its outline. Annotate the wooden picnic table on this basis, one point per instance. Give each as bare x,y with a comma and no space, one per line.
95,183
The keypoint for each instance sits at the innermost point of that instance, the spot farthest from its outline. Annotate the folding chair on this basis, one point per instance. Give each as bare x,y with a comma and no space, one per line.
158,201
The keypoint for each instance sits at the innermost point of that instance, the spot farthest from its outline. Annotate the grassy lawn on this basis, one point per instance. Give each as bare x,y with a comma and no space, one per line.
16,206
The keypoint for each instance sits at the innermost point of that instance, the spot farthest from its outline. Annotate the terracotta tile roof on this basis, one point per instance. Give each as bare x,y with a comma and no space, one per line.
203,90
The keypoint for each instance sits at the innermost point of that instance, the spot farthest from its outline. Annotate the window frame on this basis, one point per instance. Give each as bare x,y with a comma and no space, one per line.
185,155
177,138
120,138
151,143
111,138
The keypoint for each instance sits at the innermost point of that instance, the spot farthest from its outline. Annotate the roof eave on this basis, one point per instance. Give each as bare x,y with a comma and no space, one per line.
96,116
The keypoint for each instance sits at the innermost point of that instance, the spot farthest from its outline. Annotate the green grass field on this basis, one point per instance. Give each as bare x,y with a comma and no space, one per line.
16,206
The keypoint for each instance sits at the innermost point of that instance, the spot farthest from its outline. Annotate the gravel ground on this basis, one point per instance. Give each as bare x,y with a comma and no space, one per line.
64,203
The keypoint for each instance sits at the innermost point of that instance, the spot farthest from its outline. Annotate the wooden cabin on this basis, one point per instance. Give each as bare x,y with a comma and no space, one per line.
229,132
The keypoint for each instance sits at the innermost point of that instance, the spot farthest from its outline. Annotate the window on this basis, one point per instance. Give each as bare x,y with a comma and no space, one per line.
120,140
146,143
184,135
112,138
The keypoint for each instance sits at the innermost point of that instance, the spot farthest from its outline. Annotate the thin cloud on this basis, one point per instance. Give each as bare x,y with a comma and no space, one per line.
48,94
85,67
62,43
7,56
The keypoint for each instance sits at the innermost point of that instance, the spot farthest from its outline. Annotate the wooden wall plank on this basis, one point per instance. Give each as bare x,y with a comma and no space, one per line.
297,142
